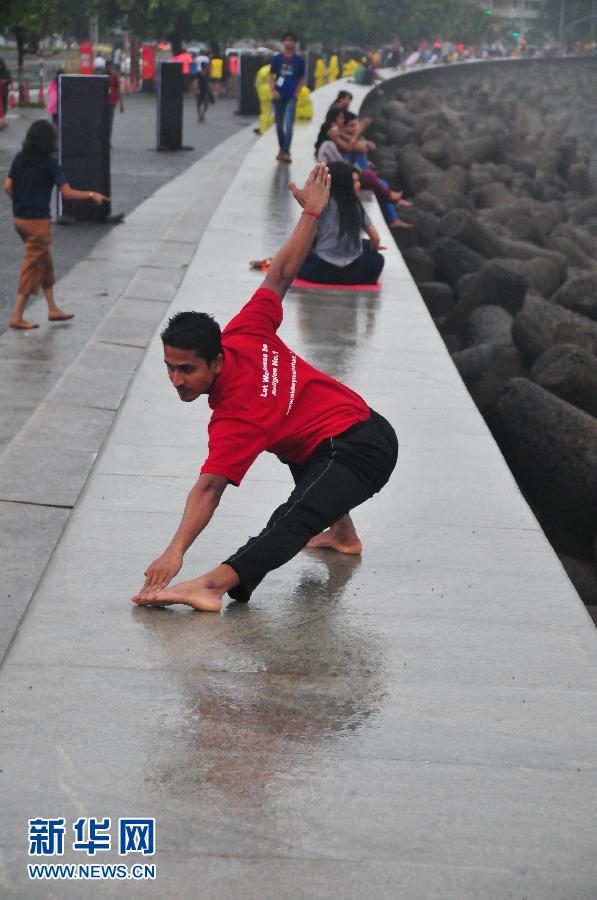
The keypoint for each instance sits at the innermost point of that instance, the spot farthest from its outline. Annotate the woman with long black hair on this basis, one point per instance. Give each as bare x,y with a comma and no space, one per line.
339,255
332,145
31,179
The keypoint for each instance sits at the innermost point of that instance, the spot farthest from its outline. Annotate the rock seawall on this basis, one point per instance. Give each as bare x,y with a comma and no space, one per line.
504,251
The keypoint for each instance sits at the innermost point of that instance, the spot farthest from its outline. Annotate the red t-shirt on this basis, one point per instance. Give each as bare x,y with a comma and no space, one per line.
268,398
113,89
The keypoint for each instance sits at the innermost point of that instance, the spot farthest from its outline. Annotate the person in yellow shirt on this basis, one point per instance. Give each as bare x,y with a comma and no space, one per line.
304,104
216,74
349,68
334,70
320,73
264,92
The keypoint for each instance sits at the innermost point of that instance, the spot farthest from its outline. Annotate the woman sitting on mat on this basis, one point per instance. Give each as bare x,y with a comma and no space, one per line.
332,145
30,182
339,255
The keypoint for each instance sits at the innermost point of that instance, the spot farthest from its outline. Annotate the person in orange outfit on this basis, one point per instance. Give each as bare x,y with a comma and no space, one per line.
31,179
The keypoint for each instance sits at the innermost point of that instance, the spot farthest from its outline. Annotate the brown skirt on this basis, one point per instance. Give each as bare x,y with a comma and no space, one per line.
37,269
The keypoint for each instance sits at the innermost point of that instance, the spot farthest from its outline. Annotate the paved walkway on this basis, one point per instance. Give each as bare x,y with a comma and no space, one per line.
419,723
62,385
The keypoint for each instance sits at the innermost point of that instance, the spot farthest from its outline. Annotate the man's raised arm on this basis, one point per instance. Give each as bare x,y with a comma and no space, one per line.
201,504
313,197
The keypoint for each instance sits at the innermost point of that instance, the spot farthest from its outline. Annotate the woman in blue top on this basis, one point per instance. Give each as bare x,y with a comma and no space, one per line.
31,179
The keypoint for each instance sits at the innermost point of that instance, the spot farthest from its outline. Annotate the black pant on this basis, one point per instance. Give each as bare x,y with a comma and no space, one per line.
341,473
202,104
365,269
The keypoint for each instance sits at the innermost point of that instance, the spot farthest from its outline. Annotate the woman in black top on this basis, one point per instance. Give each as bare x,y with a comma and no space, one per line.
31,179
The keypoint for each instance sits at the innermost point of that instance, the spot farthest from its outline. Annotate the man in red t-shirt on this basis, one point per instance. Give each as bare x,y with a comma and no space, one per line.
265,397
114,94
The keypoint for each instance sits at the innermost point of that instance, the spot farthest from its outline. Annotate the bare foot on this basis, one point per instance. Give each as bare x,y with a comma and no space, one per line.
327,541
190,593
398,223
23,325
60,316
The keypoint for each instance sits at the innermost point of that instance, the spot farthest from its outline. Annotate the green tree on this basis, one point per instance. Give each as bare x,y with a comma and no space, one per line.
32,20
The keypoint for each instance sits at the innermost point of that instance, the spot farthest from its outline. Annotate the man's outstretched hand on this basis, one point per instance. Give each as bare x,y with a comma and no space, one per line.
316,191
313,197
162,570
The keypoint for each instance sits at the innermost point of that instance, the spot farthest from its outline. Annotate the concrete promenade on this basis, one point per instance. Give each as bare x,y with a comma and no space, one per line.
420,723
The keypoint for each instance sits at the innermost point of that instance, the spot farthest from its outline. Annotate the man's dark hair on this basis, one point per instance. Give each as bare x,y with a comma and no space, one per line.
39,143
195,331
289,34
342,95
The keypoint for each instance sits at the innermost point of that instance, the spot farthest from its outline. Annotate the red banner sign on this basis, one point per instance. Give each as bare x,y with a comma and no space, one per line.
86,59
147,62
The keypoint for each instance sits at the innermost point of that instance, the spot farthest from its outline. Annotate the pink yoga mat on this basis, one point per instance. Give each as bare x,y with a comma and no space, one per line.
313,285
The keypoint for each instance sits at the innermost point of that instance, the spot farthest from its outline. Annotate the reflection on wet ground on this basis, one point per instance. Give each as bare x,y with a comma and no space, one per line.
279,202
308,678
336,330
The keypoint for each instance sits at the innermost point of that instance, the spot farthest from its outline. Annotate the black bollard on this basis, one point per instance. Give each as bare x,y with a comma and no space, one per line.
84,144
170,106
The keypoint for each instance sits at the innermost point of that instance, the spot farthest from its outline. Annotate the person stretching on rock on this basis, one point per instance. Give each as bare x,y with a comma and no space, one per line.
265,397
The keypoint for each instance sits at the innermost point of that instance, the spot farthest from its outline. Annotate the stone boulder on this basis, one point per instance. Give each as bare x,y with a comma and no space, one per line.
420,262
487,325
463,227
453,260
438,297
579,295
570,373
541,324
551,448
416,173
499,283
485,368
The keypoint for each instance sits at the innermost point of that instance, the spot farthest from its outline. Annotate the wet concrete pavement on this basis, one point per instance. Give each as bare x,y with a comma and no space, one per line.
418,723
62,384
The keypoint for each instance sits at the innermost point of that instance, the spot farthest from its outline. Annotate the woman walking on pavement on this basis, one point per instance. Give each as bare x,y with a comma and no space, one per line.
31,179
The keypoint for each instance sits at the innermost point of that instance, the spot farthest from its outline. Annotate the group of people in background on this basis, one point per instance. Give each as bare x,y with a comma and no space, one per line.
205,75
339,254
